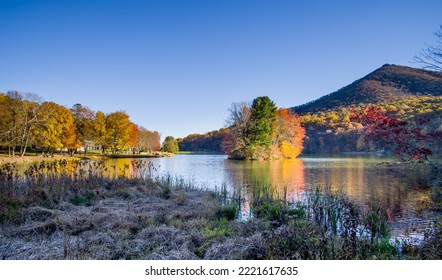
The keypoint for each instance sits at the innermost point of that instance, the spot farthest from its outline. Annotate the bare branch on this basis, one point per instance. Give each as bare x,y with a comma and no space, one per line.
431,56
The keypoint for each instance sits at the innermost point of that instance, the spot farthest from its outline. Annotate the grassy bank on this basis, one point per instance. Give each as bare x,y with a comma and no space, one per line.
30,158
144,155
73,212
198,153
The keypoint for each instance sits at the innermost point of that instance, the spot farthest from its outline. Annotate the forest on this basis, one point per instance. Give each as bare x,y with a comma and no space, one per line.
334,131
207,142
407,94
29,125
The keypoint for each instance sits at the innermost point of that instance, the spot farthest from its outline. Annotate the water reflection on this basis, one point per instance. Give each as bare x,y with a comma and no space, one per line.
286,178
406,196
118,167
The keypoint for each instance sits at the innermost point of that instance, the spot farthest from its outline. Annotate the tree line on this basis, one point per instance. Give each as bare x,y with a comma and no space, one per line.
207,142
28,123
337,130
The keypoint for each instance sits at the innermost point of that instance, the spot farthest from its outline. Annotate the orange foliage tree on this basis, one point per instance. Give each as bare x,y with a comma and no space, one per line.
148,141
288,134
70,140
134,134
56,129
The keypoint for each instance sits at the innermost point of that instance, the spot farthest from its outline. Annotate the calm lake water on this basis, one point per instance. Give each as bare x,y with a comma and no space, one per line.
406,196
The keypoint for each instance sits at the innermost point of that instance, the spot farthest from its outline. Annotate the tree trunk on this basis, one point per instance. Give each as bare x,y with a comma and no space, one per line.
25,146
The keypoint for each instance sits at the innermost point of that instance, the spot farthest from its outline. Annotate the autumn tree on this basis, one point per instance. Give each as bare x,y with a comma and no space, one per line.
5,119
100,134
83,118
288,134
148,140
262,131
49,126
408,140
20,114
237,138
70,140
117,130
170,145
134,137
154,142
56,128
207,142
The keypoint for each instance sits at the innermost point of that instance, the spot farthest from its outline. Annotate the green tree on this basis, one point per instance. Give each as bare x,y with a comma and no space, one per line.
263,115
262,131
170,145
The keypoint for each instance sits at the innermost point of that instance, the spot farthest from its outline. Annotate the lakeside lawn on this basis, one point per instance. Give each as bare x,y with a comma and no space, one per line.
32,157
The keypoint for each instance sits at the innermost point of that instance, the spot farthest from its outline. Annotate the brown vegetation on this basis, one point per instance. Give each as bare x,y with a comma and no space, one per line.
88,216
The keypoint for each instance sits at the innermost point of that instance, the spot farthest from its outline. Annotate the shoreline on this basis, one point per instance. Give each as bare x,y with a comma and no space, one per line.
130,219
38,158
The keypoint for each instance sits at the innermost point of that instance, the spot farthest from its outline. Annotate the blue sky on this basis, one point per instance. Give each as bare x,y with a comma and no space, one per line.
176,66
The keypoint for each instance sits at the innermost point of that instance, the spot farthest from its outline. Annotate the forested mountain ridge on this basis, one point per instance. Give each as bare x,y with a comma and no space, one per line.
401,92
385,84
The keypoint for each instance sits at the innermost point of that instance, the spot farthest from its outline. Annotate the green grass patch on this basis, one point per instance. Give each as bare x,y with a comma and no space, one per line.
219,229
228,212
83,200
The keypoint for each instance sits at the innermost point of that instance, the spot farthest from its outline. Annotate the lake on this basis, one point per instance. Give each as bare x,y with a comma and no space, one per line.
412,199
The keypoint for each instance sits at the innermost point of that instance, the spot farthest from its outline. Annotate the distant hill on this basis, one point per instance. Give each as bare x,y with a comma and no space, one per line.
388,83
402,92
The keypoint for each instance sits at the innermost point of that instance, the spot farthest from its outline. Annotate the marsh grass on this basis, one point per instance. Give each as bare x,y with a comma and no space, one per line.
322,225
70,210
48,183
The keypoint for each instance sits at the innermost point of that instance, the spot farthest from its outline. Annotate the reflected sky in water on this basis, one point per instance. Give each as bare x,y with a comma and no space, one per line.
403,194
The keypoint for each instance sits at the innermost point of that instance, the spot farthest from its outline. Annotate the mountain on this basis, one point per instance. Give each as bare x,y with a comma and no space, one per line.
388,83
405,93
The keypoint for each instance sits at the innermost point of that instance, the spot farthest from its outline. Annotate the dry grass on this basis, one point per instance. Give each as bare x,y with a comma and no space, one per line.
119,218
137,225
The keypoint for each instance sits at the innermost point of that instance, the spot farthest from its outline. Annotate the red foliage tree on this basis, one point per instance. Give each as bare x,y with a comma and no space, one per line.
409,141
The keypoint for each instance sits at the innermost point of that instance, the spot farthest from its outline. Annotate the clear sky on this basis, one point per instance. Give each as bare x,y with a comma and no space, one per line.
176,66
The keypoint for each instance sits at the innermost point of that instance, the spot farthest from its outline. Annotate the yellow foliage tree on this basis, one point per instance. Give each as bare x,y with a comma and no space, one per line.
118,130
56,128
99,126
288,134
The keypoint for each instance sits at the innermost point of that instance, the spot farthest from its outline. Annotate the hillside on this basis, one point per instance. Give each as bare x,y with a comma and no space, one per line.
388,83
402,92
